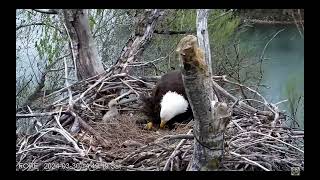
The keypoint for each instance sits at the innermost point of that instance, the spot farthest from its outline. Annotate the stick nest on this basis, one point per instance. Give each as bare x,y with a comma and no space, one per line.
75,135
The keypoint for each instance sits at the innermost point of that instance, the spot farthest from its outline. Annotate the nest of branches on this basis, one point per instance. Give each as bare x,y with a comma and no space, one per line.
74,132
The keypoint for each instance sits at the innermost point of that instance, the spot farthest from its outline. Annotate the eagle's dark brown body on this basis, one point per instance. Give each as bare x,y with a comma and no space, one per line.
171,81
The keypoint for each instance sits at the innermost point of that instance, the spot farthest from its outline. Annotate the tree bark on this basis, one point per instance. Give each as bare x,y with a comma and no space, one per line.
88,62
203,36
145,23
210,118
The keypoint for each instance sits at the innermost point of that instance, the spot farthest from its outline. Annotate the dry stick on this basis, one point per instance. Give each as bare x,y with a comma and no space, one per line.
88,79
141,80
266,104
242,104
265,47
86,105
97,82
67,135
295,21
38,114
67,83
241,85
37,120
146,63
255,132
123,95
100,86
43,147
276,117
185,153
255,163
226,80
250,144
156,142
235,123
261,58
178,136
125,83
175,152
281,102
73,54
301,20
75,125
91,130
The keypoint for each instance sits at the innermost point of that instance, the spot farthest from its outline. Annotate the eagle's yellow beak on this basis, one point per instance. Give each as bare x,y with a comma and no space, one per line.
162,124
149,125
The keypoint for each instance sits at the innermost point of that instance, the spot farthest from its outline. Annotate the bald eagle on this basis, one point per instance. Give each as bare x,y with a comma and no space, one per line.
168,103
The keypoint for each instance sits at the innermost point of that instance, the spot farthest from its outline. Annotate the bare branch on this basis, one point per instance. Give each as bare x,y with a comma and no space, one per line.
38,24
174,153
265,47
72,51
254,163
67,83
37,114
169,32
50,11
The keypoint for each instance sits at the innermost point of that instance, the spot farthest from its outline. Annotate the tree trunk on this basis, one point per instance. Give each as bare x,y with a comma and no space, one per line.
210,118
203,36
85,53
145,23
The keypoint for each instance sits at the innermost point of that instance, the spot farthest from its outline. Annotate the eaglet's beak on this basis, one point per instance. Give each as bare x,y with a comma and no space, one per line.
162,124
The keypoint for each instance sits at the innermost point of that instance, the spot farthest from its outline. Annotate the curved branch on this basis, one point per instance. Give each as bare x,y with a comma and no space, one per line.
50,11
168,32
38,24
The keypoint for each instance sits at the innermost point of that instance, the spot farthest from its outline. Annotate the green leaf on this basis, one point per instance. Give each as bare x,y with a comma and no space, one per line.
92,22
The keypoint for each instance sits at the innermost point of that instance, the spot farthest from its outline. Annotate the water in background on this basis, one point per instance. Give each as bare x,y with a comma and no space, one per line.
284,68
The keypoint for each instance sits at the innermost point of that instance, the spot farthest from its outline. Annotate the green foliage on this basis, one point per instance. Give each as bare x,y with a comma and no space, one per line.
184,20
92,22
221,27
50,43
221,30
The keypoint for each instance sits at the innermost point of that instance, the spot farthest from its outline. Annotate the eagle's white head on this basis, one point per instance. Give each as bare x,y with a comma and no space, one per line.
172,104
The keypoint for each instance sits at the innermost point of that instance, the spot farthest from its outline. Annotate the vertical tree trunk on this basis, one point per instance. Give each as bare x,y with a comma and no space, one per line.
210,117
203,36
145,23
88,63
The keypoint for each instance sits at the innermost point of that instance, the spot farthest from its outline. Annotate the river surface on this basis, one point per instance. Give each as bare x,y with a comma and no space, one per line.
283,71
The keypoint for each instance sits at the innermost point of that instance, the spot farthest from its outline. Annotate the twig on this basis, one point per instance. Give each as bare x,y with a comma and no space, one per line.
72,51
67,135
149,84
50,11
43,147
146,63
265,47
175,152
91,130
98,82
125,83
67,84
255,163
242,104
38,114
295,21
240,85
178,136
255,132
